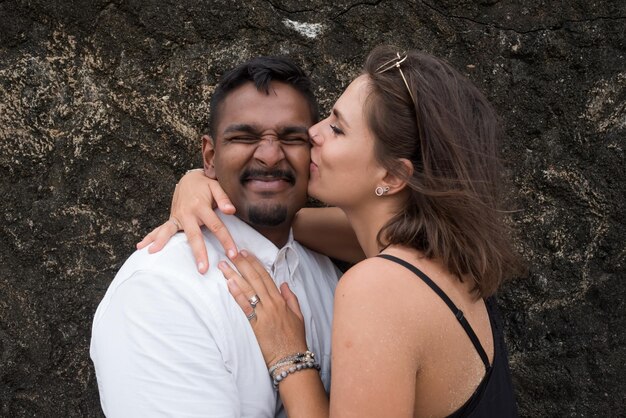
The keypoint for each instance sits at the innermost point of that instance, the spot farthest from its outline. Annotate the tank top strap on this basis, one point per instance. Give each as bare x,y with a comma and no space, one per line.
456,311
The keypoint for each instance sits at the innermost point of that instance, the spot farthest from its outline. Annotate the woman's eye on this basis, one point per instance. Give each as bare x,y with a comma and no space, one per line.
336,130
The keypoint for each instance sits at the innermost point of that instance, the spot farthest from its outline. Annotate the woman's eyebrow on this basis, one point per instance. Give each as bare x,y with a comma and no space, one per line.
339,116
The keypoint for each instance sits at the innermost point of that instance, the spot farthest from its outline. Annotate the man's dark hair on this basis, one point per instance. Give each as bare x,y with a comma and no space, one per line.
262,71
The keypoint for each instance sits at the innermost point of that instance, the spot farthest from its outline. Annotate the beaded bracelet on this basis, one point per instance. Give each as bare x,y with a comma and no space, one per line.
291,364
276,379
294,358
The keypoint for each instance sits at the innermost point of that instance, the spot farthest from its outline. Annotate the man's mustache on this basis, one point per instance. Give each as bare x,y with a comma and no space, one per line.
268,175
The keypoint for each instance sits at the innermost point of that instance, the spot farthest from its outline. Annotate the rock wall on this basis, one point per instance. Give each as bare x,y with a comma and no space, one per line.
102,104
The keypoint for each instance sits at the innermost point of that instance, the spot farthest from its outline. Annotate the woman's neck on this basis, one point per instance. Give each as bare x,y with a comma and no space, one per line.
368,220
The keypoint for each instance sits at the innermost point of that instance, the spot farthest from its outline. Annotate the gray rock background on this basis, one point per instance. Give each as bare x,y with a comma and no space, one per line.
102,104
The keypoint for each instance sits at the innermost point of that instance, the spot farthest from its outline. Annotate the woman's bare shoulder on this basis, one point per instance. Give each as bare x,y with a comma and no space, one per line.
375,301
387,286
380,283
375,273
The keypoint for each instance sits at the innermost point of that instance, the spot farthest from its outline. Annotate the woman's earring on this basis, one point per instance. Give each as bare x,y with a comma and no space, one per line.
380,190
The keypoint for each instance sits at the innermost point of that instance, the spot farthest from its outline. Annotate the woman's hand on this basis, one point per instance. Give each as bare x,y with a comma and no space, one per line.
194,199
276,318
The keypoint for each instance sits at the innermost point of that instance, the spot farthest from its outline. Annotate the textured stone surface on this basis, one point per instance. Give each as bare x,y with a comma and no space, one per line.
102,104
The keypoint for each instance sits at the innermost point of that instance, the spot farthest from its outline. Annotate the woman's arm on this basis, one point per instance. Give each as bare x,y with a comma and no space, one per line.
193,203
374,347
278,325
303,395
327,231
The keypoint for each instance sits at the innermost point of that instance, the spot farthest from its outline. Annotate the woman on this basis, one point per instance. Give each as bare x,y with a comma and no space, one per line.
409,155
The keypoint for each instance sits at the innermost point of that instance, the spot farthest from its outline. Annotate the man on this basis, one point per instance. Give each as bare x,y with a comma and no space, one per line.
169,341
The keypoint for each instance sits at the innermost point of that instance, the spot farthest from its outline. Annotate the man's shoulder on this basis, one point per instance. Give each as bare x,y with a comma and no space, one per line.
172,268
176,255
168,278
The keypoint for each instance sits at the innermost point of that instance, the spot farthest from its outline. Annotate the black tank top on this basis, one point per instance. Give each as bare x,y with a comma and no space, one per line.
494,396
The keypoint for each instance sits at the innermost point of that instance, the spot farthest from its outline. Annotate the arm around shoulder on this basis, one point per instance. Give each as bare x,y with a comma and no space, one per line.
327,231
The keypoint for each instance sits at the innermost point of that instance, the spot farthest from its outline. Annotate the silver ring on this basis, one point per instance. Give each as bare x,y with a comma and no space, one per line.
254,300
175,222
251,316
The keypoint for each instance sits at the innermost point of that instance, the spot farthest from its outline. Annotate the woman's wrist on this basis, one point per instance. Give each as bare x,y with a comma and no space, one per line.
191,173
303,395
291,364
194,169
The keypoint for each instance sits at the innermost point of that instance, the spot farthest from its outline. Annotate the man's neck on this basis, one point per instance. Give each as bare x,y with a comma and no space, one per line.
278,235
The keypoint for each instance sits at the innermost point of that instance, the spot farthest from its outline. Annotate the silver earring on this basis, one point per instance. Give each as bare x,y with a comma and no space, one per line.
380,190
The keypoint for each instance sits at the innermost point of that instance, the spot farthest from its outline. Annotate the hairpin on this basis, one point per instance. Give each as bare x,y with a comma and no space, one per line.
395,62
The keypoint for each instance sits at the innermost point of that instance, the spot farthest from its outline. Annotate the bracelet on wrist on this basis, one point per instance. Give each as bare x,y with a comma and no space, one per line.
294,358
189,171
194,169
291,364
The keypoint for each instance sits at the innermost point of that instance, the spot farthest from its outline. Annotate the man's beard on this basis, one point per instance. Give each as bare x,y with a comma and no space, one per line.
271,214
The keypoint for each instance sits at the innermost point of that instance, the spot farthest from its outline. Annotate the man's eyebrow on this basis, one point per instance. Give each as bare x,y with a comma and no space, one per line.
253,129
288,130
241,127
340,117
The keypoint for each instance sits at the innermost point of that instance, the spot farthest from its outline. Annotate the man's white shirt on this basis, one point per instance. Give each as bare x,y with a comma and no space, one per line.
169,341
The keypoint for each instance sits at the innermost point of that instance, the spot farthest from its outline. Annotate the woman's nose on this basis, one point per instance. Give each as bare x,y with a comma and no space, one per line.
316,138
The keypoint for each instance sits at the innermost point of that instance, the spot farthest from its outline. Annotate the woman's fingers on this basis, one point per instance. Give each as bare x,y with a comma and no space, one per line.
194,200
256,276
196,242
166,231
291,300
238,294
148,239
246,296
214,224
158,237
276,320
220,197
260,270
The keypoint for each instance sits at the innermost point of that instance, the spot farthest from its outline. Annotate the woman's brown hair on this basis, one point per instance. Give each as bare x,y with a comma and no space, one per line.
450,133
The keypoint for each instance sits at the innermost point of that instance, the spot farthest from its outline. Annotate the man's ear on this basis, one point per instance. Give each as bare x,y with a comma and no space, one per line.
397,182
208,156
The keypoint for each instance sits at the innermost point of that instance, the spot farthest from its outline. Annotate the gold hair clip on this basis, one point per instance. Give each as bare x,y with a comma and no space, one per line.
395,62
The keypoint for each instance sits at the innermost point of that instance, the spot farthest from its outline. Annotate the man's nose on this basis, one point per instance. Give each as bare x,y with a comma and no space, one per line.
269,151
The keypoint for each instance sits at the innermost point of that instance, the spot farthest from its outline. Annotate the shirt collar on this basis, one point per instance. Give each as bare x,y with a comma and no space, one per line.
250,239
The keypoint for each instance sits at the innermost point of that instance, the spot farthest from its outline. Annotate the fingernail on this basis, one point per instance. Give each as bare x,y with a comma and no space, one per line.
243,253
231,253
229,206
222,265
